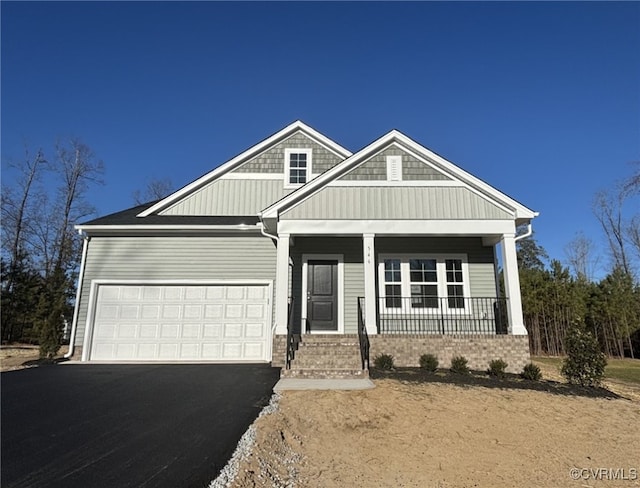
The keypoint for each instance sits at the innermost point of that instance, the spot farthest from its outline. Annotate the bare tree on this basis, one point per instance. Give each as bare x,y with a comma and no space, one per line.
608,209
76,168
156,189
18,214
581,257
15,205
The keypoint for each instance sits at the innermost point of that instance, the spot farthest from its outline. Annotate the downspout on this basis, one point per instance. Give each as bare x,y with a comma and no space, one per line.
76,309
265,233
526,234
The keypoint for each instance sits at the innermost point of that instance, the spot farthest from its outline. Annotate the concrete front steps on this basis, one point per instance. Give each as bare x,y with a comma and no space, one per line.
327,357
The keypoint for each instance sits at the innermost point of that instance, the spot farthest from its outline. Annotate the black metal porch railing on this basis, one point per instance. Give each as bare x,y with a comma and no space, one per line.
291,338
438,315
363,337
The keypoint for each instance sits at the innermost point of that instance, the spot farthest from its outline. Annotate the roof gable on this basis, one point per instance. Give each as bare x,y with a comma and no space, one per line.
438,163
239,160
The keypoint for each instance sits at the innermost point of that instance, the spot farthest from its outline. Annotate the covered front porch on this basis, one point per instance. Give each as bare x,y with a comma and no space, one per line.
411,284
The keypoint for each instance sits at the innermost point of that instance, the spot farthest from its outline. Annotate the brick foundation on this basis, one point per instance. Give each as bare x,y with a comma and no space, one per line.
407,349
479,350
279,351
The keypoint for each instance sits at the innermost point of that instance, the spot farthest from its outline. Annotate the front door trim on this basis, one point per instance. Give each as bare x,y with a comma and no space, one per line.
305,267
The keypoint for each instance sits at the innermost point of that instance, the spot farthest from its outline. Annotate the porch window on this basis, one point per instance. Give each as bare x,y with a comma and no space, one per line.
424,282
392,283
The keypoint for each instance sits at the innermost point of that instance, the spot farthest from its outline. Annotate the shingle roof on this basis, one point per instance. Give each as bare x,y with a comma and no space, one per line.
129,217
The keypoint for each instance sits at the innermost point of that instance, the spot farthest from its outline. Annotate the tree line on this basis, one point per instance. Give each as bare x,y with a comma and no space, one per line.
40,249
557,296
41,253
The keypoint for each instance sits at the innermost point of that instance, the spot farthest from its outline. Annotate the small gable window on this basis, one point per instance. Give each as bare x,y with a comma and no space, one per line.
297,166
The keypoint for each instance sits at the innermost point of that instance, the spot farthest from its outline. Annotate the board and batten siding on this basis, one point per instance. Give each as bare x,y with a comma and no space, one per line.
230,197
482,276
272,160
388,203
351,249
375,168
175,258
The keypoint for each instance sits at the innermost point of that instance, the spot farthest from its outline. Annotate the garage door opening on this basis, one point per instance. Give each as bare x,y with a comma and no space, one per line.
180,322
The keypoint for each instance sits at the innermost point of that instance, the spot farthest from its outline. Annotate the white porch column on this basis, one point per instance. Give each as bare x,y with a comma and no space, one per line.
282,284
512,285
369,257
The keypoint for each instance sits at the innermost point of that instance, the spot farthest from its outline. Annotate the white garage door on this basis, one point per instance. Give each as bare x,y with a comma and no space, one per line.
181,322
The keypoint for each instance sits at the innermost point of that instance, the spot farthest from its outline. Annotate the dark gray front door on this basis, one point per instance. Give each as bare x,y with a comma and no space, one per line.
322,295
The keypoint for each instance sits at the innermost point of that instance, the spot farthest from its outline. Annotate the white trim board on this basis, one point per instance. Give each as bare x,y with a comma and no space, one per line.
397,227
303,316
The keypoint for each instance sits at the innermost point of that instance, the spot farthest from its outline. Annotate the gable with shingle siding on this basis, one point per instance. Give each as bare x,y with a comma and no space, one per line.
375,169
272,160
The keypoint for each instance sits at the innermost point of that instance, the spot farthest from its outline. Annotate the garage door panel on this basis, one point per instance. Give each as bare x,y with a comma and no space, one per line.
256,312
149,331
211,331
193,311
131,293
181,322
107,311
147,351
191,331
254,331
169,331
126,331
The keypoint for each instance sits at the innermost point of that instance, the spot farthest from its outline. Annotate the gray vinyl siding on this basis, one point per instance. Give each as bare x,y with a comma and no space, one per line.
351,248
376,168
230,197
175,258
272,160
480,258
387,203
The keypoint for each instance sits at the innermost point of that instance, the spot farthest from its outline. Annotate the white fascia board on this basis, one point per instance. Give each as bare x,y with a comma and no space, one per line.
397,227
239,159
124,229
403,183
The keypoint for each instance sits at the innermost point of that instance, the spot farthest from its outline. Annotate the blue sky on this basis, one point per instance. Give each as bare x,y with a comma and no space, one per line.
541,100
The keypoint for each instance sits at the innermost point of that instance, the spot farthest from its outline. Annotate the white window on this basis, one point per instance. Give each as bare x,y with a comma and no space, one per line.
297,166
424,283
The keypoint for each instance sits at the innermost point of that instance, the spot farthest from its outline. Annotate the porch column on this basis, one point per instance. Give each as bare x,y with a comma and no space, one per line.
282,284
369,258
512,285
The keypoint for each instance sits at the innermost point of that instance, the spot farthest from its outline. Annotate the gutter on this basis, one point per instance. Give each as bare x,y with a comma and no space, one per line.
526,234
76,308
265,233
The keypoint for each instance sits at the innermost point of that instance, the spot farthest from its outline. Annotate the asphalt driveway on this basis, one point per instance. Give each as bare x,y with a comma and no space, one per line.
126,425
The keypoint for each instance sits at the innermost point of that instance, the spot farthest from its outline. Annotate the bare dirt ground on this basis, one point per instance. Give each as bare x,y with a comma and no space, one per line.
416,430
440,431
21,356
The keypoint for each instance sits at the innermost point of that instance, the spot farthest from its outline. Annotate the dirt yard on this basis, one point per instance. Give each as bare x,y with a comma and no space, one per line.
22,356
419,431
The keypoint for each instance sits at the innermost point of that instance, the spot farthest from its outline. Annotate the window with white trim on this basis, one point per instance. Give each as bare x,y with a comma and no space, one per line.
424,282
297,166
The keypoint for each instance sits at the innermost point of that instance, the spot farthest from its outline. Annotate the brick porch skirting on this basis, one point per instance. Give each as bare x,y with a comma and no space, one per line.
478,349
407,349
